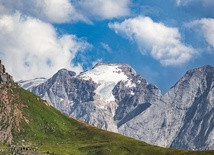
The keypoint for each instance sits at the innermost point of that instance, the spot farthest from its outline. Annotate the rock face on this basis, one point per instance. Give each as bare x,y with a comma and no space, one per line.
192,101
4,77
10,114
115,98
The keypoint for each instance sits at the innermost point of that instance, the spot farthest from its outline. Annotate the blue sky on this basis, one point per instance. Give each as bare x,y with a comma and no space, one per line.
160,39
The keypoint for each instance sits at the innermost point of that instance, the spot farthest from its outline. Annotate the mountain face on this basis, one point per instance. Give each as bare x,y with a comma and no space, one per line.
192,101
115,98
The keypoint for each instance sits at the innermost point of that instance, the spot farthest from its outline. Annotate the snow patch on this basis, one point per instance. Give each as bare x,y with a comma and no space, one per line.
106,76
31,83
132,93
130,84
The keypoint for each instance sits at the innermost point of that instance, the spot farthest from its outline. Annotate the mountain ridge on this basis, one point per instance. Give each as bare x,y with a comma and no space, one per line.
114,97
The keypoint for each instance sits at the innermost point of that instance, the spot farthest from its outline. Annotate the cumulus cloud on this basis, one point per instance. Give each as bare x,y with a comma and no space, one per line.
104,9
56,11
161,42
31,48
61,11
206,25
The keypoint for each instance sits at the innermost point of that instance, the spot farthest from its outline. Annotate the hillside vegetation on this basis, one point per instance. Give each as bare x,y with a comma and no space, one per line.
30,126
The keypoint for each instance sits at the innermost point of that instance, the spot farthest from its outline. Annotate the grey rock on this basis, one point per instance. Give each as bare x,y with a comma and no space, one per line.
4,76
192,100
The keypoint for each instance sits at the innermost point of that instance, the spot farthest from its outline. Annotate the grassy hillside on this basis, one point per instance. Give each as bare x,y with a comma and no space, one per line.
47,130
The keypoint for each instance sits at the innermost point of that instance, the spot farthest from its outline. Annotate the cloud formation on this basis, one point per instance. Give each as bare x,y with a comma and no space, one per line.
55,11
31,48
161,42
104,9
206,27
61,11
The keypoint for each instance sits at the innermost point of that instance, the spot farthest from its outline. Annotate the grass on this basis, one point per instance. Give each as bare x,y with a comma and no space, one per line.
51,131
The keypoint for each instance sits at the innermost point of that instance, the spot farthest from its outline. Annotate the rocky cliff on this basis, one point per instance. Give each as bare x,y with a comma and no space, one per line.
192,108
10,115
4,77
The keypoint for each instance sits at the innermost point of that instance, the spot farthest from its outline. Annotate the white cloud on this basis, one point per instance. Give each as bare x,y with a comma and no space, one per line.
31,48
56,11
163,42
106,47
104,9
206,27
60,11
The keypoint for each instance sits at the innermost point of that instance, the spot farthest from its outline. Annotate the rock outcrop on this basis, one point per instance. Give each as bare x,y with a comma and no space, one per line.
4,77
10,114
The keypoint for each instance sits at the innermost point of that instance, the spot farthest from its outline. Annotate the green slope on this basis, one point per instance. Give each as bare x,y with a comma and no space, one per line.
49,130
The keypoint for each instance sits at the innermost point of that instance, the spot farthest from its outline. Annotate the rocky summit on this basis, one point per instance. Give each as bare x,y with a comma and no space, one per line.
115,98
4,77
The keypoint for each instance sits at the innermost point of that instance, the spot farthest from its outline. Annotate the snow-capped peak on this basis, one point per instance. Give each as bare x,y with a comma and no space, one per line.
106,76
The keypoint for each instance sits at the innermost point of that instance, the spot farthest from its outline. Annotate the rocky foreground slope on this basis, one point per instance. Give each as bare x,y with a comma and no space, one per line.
115,98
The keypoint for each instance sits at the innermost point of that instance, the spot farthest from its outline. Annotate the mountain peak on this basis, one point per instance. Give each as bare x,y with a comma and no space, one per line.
207,68
4,76
107,76
201,73
109,72
203,69
65,71
99,64
127,69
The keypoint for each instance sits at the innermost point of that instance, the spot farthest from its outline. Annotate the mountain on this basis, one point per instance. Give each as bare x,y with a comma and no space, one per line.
31,83
192,101
115,98
31,126
102,96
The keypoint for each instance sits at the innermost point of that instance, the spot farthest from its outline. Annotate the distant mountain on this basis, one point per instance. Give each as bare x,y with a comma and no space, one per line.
30,126
31,83
115,98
